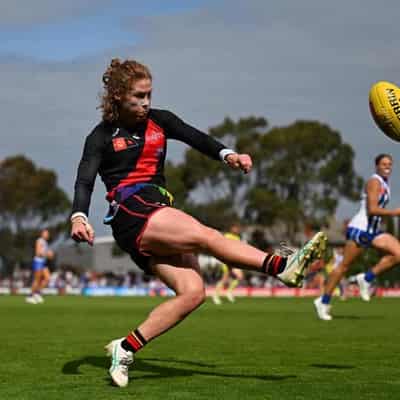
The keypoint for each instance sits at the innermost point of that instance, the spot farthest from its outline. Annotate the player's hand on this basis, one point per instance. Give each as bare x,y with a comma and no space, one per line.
82,231
239,161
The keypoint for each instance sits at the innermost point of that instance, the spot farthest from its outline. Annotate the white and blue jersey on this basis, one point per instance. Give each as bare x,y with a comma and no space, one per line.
39,263
364,228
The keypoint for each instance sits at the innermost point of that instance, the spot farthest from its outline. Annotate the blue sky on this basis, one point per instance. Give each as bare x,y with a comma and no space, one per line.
90,32
281,60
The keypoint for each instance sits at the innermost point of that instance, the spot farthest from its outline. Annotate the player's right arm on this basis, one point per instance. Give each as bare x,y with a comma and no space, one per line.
373,189
81,230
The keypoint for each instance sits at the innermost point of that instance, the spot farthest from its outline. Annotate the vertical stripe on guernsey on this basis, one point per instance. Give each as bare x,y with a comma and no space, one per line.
147,164
371,223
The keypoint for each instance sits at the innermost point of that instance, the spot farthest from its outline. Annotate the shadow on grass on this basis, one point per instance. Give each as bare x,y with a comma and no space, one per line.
332,366
357,317
153,370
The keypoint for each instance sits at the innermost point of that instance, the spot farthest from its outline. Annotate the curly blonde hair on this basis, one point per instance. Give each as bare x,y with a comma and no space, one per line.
117,80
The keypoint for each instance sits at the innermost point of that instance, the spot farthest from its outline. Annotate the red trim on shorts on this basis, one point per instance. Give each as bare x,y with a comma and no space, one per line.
128,211
146,202
139,237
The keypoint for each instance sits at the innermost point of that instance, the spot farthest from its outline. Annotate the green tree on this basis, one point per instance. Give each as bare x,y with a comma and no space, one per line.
30,201
302,171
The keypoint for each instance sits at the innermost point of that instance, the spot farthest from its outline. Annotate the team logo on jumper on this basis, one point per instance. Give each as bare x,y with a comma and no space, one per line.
119,144
123,143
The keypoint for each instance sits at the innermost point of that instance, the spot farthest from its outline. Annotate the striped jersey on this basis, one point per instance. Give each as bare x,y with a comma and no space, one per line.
371,223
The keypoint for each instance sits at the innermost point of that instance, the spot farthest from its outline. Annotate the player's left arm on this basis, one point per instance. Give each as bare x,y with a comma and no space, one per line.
206,144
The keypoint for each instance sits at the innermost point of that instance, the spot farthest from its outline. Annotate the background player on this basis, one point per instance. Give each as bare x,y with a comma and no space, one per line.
363,231
40,271
231,276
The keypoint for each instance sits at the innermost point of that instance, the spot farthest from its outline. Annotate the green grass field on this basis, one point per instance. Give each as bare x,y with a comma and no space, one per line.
254,349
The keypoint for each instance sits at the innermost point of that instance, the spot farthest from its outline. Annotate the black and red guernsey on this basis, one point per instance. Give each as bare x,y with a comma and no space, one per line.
124,157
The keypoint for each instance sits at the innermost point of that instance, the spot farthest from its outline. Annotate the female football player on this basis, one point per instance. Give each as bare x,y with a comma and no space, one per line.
41,273
127,149
363,231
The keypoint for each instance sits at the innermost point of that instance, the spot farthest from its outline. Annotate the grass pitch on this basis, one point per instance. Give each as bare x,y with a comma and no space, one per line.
254,349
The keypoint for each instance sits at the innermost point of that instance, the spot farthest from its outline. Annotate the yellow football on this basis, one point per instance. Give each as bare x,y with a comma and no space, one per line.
384,103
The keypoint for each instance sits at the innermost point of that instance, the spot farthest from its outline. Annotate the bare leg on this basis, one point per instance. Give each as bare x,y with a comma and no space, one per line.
221,284
171,231
237,277
45,278
181,274
351,252
36,281
388,244
238,274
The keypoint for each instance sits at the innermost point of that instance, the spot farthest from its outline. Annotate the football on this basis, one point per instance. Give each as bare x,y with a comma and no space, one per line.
384,103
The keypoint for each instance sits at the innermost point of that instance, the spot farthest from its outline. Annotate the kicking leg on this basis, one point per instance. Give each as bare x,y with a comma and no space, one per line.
170,231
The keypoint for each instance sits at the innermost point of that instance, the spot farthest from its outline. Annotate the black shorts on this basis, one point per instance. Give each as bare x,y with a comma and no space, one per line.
131,220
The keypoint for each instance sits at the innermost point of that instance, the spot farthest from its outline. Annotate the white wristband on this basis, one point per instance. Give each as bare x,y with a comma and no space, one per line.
80,215
225,152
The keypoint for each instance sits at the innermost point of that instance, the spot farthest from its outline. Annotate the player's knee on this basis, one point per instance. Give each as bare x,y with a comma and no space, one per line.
194,297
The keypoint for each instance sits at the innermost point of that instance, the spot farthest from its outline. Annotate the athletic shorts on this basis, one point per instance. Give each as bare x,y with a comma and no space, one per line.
362,238
131,220
38,264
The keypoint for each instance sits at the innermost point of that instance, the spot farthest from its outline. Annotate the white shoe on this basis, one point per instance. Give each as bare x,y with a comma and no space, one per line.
38,298
216,299
323,310
31,300
120,359
298,261
365,287
230,297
